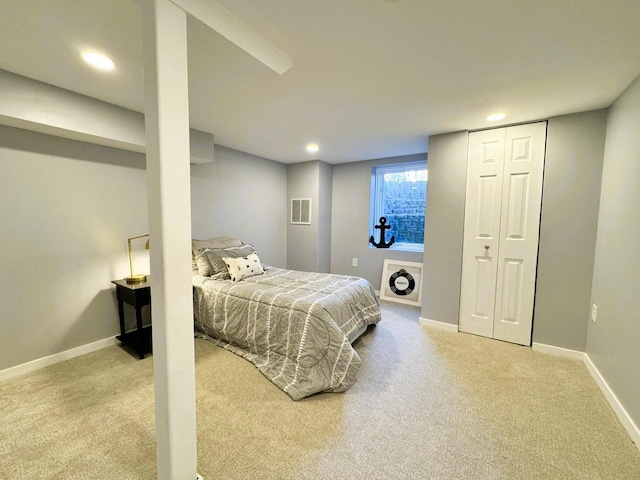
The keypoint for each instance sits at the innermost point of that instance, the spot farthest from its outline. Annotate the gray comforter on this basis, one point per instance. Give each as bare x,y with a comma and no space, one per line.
295,327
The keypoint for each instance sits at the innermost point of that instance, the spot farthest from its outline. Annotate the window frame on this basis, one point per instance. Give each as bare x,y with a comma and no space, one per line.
376,202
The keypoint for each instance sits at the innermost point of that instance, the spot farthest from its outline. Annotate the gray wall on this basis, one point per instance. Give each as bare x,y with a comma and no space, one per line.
325,189
242,196
308,246
444,227
571,195
67,209
613,342
302,240
350,221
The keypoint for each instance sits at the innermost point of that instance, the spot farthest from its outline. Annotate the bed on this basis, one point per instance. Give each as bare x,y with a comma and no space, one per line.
295,327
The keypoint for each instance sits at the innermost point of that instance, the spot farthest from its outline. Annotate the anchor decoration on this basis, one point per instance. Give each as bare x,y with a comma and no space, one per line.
382,227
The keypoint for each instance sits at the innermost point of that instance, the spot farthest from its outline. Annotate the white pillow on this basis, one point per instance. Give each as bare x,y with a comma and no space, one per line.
243,267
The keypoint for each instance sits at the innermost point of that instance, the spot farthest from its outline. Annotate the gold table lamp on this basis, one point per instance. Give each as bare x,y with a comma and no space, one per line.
136,277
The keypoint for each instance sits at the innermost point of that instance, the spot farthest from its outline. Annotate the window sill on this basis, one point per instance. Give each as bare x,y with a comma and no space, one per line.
403,247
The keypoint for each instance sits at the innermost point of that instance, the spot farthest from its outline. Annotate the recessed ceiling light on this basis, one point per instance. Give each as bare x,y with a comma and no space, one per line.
313,148
98,60
496,116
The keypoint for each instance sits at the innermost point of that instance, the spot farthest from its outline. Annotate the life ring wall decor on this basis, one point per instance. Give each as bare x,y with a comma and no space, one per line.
402,282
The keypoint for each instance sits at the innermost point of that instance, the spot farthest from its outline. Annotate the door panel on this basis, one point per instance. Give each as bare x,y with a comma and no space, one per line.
482,229
517,206
518,253
481,321
520,148
492,151
488,191
511,293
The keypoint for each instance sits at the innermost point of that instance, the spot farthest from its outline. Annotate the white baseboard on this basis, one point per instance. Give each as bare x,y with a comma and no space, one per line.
623,416
449,327
56,358
626,420
558,351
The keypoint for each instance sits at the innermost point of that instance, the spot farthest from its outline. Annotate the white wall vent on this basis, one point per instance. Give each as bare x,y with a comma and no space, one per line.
301,211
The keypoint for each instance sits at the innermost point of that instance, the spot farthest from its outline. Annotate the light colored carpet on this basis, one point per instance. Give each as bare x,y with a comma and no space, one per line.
428,404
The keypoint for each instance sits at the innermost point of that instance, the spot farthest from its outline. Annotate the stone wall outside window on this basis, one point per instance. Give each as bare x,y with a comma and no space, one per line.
404,205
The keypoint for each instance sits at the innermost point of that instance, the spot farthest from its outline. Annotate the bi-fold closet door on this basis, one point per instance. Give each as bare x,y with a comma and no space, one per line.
501,229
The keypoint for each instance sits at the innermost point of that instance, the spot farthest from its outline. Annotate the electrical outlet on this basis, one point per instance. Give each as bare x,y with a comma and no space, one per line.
354,262
594,312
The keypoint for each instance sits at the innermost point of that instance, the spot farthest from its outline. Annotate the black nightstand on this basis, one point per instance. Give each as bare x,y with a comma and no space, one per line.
137,295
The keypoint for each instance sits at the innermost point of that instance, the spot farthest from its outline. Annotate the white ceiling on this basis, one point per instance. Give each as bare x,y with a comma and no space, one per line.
371,79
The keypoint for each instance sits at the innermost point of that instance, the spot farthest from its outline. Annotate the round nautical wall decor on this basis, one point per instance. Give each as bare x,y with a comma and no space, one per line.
401,282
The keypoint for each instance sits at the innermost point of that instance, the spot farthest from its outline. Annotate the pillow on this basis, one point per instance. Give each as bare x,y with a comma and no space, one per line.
243,267
218,242
210,261
202,265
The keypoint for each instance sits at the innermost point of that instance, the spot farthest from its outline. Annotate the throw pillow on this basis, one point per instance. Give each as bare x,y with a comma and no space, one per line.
243,267
214,257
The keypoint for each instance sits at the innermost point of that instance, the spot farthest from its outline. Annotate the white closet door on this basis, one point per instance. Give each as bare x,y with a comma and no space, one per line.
481,231
501,229
519,232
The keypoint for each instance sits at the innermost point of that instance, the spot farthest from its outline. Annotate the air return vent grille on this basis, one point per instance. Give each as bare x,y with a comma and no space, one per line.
301,211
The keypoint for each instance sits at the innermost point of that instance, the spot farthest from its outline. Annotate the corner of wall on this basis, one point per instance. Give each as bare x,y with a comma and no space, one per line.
444,226
572,178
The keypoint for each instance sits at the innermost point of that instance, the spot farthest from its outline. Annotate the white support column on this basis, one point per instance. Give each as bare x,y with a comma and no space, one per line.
164,29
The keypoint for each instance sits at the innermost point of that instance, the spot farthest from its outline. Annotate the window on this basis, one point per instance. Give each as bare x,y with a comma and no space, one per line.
399,193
